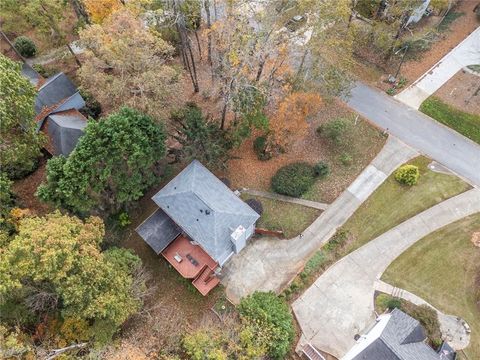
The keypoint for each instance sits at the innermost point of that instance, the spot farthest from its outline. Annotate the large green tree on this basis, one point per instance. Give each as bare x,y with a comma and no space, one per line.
19,143
113,163
55,264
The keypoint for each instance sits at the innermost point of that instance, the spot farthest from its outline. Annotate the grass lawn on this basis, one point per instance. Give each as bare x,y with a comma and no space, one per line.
441,268
392,203
292,219
466,124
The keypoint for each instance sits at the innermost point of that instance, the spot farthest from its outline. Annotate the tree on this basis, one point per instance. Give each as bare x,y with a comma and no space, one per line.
113,163
200,138
44,15
19,142
292,117
55,263
99,10
126,65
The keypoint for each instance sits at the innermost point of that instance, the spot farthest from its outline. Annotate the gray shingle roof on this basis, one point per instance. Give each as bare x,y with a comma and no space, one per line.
402,339
55,89
64,129
158,231
28,72
205,208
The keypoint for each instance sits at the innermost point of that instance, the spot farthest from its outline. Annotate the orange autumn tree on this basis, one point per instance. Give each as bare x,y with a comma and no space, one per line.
101,9
292,117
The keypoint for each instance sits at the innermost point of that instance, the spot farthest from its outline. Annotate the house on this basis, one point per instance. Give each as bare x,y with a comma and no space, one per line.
397,336
199,225
57,107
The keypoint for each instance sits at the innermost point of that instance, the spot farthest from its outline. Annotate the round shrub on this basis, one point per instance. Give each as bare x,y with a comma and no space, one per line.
256,205
293,179
335,130
270,319
321,169
407,175
260,148
346,159
25,46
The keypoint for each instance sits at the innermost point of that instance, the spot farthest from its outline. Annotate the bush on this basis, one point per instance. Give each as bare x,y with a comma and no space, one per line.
335,130
260,148
346,159
25,46
428,317
269,315
124,219
321,169
294,179
92,108
407,175
256,205
43,71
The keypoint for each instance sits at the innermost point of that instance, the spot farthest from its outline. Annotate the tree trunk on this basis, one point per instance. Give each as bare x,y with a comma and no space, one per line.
80,10
198,45
352,12
260,70
74,55
11,45
209,26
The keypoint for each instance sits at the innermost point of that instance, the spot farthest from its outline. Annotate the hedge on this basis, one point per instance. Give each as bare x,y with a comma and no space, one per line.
294,179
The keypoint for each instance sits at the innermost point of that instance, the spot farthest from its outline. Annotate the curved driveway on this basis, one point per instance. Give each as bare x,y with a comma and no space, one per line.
339,304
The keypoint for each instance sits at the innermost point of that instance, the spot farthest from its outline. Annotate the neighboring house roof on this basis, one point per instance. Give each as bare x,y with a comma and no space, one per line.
33,76
54,90
402,338
206,209
158,231
64,129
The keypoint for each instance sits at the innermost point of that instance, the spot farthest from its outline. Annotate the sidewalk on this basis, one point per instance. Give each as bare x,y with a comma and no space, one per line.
464,54
454,330
269,264
339,305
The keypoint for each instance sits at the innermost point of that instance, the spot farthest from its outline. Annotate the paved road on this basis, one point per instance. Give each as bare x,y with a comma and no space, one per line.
269,264
437,141
339,304
464,54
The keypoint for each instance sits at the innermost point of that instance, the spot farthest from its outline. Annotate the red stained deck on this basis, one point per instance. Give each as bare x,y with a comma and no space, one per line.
195,263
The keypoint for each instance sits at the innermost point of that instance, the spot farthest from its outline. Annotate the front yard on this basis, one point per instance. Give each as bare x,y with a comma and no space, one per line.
442,268
392,203
277,215
467,124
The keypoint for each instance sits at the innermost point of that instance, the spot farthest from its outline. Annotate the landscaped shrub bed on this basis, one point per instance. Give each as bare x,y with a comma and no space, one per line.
294,179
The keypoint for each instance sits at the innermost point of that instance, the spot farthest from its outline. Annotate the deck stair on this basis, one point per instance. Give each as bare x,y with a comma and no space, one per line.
311,353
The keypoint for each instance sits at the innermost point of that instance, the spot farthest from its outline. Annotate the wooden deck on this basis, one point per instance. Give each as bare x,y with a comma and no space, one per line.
192,262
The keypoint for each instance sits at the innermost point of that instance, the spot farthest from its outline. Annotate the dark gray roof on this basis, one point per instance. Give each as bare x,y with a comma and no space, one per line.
402,339
64,129
28,72
206,209
55,89
73,102
158,231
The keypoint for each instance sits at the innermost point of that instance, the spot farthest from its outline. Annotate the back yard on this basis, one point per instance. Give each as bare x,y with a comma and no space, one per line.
443,268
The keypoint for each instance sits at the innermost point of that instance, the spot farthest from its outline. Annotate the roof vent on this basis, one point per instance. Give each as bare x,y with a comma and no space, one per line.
201,210
207,212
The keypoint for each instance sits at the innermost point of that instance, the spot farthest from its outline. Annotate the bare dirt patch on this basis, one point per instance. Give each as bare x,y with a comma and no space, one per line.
462,92
245,170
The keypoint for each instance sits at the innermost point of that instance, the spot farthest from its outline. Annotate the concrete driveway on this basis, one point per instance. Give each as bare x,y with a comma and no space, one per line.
269,264
446,146
339,304
464,54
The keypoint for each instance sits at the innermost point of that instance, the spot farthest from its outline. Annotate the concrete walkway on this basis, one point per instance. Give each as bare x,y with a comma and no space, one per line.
269,264
303,202
339,304
440,143
464,54
454,330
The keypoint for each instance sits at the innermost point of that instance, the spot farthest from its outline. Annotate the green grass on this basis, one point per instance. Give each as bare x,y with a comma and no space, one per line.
292,219
441,268
393,203
465,123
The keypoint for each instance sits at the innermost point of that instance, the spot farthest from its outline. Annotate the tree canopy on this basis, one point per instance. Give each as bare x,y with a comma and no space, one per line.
113,163
19,142
55,263
127,65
